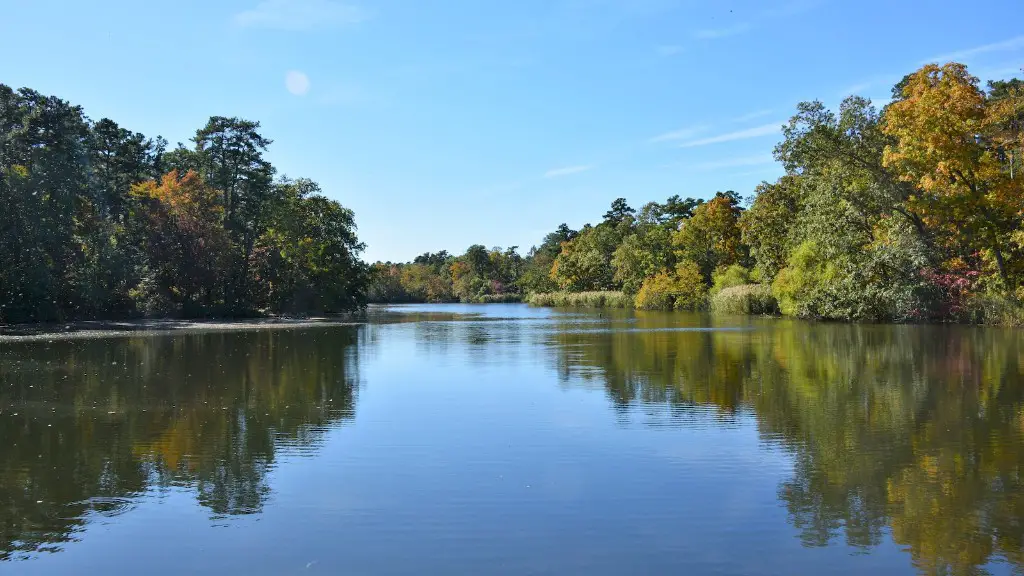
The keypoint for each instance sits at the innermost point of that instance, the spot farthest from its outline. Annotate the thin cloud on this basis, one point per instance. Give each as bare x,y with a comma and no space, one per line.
752,116
298,15
999,73
765,130
669,50
567,170
681,134
1004,46
854,90
735,162
714,33
759,18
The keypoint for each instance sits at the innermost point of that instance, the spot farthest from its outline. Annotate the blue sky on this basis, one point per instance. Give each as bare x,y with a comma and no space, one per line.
444,123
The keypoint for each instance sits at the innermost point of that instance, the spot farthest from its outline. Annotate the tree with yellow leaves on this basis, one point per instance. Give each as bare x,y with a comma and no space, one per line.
945,143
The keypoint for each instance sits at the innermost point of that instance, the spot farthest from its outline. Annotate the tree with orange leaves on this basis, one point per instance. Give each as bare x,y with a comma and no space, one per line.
944,142
185,242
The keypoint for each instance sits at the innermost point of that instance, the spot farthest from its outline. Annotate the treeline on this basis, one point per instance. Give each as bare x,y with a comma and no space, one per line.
101,222
911,212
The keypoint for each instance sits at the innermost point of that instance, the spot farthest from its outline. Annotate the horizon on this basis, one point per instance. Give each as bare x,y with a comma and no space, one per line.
459,124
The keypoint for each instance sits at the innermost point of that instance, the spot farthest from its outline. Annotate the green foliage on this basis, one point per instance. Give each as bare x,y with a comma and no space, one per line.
641,255
102,222
479,275
598,299
585,262
879,282
711,238
683,290
768,225
745,299
996,309
727,277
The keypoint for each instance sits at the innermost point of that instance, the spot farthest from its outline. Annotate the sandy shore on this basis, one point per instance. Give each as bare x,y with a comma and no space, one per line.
153,327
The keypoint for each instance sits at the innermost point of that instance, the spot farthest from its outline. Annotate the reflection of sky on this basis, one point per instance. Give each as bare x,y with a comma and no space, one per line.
468,455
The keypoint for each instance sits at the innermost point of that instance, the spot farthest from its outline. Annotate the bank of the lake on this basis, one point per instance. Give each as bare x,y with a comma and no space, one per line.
758,300
161,326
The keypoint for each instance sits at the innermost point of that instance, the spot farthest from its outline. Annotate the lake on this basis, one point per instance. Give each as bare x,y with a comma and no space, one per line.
503,439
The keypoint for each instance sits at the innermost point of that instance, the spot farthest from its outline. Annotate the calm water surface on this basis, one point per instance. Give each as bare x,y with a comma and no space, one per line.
502,439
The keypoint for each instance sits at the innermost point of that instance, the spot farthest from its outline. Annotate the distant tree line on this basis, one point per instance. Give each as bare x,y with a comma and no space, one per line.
98,221
911,212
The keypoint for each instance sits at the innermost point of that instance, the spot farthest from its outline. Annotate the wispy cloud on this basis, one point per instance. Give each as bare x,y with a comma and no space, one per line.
1016,43
567,170
734,162
297,15
765,130
855,89
713,33
681,134
669,49
999,72
758,18
752,116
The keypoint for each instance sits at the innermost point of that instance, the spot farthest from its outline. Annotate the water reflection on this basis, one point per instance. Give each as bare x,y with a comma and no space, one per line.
913,431
88,425
875,435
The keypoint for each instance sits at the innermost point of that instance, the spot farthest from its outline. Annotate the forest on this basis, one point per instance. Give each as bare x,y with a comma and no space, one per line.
103,222
911,212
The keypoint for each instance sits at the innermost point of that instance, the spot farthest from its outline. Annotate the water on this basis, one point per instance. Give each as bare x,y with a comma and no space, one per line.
502,439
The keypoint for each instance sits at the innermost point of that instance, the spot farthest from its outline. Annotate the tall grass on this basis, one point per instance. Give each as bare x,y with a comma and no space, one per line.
498,299
995,309
605,299
745,299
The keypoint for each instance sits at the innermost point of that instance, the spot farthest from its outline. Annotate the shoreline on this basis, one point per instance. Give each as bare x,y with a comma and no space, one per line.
87,329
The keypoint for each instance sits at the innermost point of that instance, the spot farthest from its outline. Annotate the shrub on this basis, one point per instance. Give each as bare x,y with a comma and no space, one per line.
819,283
745,299
656,293
684,290
499,299
604,299
996,309
728,277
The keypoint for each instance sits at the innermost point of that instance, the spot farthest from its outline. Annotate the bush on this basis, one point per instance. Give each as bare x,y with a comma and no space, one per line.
498,299
684,290
745,299
728,277
605,299
995,309
818,283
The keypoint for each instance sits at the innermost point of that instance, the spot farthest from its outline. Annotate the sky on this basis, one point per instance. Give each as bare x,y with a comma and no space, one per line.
446,123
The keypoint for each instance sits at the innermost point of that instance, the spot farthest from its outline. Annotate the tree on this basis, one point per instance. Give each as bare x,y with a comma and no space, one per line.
43,187
94,227
682,290
619,211
769,224
229,156
185,243
711,238
585,261
642,254
942,130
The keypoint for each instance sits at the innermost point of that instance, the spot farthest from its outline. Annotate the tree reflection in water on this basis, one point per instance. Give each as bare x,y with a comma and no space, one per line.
914,430
88,425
